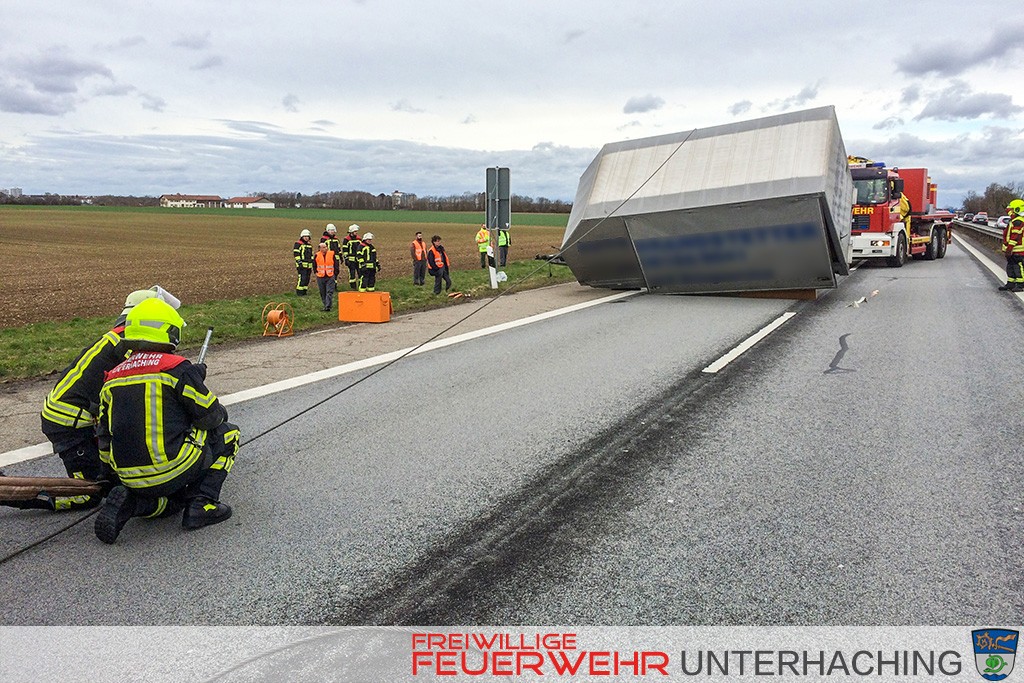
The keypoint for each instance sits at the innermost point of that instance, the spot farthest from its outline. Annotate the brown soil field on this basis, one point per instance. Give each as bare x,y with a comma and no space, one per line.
60,264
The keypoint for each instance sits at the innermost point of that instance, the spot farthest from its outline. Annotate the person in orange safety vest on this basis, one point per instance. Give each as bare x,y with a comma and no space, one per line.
327,265
418,251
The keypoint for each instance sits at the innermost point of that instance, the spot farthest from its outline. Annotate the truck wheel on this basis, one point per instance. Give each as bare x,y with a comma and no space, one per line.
942,244
900,258
932,252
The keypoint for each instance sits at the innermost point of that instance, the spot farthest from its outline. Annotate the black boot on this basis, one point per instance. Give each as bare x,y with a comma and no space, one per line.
1008,287
1017,287
115,513
202,511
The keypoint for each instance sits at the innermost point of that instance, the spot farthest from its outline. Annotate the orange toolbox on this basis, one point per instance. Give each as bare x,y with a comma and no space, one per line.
364,307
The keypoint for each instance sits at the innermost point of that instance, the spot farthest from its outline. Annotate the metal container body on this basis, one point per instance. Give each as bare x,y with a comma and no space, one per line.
755,205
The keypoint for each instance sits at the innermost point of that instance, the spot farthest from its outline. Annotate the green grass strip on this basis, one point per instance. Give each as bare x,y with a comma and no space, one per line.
41,348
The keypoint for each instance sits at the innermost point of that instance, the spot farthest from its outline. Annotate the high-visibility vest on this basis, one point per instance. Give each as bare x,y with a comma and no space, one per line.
503,240
483,238
439,259
325,263
419,250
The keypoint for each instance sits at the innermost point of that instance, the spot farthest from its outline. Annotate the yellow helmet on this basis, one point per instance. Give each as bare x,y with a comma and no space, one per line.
154,320
1016,207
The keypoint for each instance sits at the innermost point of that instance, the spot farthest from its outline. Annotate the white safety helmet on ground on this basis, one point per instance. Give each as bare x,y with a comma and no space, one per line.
304,233
353,228
368,236
331,229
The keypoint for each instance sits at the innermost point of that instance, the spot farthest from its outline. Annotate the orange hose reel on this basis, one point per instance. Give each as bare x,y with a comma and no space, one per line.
277,320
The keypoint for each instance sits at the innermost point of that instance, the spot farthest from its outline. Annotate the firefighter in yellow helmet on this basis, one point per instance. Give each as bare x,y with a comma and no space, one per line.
68,418
162,433
1013,247
303,253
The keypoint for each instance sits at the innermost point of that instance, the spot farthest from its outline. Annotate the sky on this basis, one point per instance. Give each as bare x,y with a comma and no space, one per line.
233,98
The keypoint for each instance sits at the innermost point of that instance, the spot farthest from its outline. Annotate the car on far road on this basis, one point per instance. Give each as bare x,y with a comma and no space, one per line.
1002,221
981,218
968,217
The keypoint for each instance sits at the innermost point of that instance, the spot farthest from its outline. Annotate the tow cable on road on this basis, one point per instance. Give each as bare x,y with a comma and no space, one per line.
552,258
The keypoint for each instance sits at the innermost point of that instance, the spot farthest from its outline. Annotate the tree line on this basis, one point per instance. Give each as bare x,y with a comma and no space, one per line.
467,201
994,200
340,199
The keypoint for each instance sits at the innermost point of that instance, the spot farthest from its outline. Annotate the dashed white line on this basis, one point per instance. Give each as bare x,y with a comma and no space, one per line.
748,343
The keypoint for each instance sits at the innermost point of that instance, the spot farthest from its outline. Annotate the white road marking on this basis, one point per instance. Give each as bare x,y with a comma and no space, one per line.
999,272
748,343
43,449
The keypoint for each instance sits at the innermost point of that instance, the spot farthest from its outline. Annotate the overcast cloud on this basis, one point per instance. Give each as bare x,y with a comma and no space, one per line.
377,95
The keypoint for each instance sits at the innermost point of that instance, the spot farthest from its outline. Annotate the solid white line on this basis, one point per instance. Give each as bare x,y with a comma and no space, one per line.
1000,273
43,449
748,343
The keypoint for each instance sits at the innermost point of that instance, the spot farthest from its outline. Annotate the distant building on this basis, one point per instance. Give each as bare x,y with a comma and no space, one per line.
248,203
397,199
13,192
191,201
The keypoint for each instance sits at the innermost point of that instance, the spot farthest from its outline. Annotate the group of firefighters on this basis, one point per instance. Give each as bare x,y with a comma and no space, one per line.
331,255
359,255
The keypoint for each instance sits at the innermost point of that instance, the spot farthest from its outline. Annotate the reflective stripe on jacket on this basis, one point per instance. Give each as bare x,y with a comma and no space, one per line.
69,403
325,261
155,412
303,252
483,238
437,259
1013,236
418,250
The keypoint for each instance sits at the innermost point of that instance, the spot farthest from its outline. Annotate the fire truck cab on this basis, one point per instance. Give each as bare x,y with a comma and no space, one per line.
894,214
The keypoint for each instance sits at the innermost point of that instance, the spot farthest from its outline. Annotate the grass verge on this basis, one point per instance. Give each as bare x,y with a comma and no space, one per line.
41,348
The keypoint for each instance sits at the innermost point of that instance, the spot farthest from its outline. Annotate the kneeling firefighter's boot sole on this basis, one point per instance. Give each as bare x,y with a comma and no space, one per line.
115,513
204,512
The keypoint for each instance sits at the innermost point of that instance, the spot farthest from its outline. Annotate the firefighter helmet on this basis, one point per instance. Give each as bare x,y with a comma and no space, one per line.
154,320
353,228
331,229
1016,207
368,236
136,298
304,233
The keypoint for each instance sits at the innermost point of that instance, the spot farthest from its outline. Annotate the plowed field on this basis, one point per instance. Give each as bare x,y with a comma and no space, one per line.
66,262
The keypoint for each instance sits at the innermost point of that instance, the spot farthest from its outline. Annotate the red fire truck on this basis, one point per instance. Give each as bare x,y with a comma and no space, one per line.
894,214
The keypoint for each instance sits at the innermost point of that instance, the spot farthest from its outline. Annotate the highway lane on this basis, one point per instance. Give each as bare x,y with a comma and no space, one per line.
620,485
790,490
331,507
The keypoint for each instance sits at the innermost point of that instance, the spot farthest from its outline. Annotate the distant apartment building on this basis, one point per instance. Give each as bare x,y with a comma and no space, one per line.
248,203
191,201
13,192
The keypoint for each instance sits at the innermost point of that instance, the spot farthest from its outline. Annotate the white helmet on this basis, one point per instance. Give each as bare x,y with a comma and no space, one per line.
331,229
304,233
353,228
368,236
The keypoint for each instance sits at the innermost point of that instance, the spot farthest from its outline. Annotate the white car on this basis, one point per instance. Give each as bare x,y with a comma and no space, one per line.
1002,221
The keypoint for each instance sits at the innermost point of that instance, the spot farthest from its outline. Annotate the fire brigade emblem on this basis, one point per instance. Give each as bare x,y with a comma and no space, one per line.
994,652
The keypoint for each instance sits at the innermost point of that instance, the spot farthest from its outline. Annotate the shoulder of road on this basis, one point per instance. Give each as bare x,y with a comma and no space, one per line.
245,366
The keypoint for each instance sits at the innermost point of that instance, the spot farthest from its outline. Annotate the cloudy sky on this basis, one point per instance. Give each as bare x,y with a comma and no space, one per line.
230,97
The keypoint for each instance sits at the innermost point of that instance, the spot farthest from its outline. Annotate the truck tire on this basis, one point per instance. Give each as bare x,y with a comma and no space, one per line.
900,258
943,243
932,252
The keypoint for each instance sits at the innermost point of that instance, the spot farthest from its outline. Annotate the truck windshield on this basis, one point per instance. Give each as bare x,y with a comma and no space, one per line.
871,191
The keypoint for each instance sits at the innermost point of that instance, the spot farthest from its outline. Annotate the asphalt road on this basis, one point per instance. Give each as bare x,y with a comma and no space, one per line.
858,466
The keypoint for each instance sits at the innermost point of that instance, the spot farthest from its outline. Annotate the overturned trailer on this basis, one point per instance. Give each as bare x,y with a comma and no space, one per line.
751,206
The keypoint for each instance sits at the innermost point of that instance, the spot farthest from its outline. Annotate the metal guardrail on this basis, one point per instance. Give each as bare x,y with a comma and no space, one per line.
986,230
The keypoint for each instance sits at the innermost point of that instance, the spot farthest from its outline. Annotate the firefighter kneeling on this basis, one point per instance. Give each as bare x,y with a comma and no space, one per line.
163,434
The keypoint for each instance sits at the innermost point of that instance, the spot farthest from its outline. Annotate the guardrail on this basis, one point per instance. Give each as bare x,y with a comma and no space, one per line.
986,230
